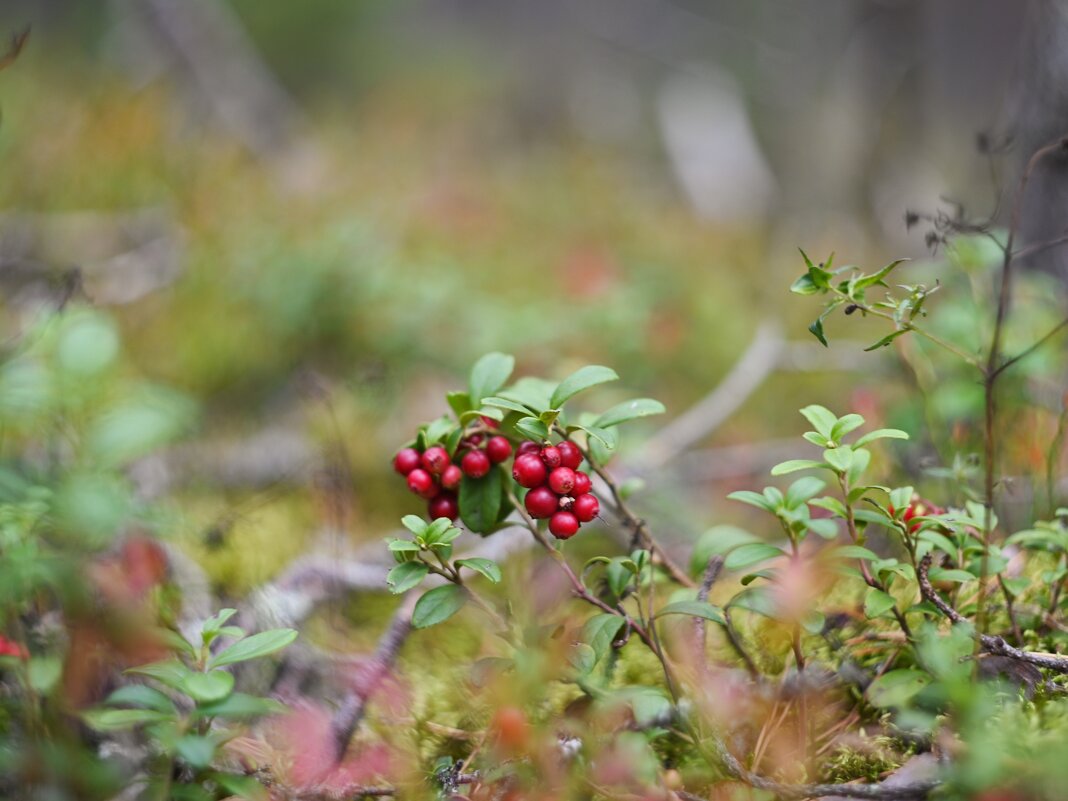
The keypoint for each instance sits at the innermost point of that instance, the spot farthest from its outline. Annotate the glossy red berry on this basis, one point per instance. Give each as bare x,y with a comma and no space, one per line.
563,525
498,449
406,460
541,502
550,454
582,483
422,483
450,479
475,464
529,471
435,460
586,507
444,505
528,447
570,455
562,480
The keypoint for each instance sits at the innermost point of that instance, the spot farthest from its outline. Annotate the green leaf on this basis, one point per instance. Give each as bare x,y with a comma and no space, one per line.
854,552
751,554
196,751
816,329
753,499
488,375
717,540
821,418
846,424
531,392
415,524
802,490
254,647
822,526
119,719
896,687
600,631
882,433
579,381
877,278
241,786
459,402
239,706
839,458
403,546
142,697
438,605
882,343
216,622
629,410
43,672
755,599
487,567
405,576
953,574
480,501
170,672
701,609
506,405
877,603
832,505
532,428
211,686
793,465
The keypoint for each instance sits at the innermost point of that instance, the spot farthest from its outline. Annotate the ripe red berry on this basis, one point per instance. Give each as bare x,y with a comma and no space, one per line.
406,460
444,505
450,479
570,455
562,480
498,449
541,502
563,525
528,447
435,460
473,440
550,454
528,471
422,483
582,483
586,507
475,464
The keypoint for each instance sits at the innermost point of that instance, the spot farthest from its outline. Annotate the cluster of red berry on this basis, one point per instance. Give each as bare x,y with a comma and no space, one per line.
558,490
434,476
12,648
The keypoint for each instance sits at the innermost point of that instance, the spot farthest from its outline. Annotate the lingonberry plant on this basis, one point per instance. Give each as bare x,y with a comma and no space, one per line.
909,633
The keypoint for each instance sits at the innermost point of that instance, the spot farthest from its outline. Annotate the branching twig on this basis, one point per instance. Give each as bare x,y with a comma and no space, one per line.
712,571
992,645
351,710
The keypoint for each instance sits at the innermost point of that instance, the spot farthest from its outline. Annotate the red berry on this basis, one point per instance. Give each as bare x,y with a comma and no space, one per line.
562,480
498,449
586,507
450,479
422,483
406,460
582,483
550,454
444,505
570,455
528,471
528,447
475,464
435,460
541,502
489,421
563,525
473,440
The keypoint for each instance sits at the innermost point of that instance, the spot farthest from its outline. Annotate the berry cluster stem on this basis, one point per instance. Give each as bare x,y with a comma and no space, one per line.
631,520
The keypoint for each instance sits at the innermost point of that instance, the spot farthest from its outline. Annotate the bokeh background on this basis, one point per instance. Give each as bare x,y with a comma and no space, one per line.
304,221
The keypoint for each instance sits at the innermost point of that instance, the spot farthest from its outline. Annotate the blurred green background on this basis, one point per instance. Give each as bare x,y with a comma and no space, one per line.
308,219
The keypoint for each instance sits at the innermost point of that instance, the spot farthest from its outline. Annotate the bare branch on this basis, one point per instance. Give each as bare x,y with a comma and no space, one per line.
990,644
